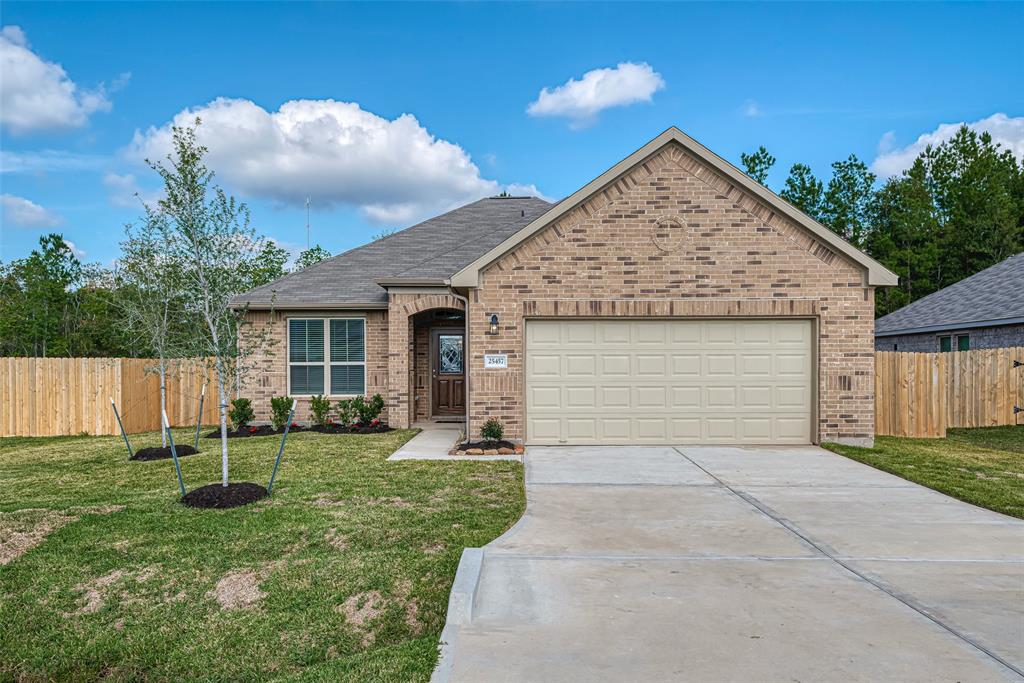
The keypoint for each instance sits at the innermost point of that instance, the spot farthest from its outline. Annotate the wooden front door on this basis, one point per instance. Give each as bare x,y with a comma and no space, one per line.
448,372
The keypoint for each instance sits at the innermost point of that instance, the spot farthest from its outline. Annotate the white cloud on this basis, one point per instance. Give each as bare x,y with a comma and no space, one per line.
38,95
394,171
24,213
1005,130
751,109
75,250
581,100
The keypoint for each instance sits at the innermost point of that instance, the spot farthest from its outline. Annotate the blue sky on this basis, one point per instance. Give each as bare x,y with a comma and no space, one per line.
811,82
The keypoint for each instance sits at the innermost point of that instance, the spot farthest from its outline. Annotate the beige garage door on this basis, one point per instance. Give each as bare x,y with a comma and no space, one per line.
668,381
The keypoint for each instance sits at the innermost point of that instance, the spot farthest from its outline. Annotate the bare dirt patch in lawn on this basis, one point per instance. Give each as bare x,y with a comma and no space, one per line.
336,540
22,530
239,589
96,591
361,609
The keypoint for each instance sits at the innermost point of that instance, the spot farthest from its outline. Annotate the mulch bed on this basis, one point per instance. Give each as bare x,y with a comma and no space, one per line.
268,430
162,453
486,445
338,429
220,497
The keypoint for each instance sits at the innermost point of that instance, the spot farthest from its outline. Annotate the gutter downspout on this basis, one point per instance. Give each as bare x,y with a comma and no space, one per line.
465,353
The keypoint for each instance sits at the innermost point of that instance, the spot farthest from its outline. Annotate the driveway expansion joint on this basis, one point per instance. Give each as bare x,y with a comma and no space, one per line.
823,549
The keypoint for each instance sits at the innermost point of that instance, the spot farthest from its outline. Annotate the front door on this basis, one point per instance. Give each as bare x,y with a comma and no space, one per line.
447,367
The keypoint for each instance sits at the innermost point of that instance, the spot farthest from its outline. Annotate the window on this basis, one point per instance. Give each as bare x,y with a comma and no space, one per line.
944,344
963,342
326,353
895,347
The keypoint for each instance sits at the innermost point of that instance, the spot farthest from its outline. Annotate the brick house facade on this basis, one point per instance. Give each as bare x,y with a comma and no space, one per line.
671,233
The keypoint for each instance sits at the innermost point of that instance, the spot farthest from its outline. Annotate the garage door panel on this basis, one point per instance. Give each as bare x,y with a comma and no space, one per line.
651,365
669,381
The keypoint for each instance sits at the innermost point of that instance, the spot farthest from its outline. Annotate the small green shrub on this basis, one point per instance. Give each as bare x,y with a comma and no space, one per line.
367,411
492,430
280,407
320,407
241,413
345,413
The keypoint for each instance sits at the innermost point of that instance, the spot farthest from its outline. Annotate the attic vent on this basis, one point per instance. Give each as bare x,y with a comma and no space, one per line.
522,213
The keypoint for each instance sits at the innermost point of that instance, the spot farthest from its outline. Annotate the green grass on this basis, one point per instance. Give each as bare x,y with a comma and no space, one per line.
347,568
980,466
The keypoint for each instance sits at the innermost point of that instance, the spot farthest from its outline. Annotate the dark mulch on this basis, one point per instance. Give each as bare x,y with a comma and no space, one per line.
338,429
486,445
261,430
268,430
162,453
220,497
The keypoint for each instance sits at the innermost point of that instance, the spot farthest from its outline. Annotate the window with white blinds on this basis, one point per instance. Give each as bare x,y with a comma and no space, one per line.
326,355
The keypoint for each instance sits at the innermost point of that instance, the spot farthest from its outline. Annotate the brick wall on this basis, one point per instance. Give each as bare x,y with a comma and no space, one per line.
717,251
264,341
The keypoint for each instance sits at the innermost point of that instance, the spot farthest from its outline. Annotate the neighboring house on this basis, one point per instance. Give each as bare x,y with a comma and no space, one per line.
983,311
671,300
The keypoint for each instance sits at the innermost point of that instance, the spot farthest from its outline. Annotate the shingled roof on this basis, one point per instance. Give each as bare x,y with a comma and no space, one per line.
430,251
995,296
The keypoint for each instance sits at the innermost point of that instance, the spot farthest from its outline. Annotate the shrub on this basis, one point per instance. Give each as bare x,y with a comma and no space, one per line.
492,430
320,407
345,413
280,406
367,411
240,413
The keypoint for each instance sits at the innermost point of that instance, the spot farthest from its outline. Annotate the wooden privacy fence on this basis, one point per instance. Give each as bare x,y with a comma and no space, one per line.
922,394
60,396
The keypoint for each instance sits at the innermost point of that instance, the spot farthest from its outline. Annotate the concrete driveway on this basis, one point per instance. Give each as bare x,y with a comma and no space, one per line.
740,564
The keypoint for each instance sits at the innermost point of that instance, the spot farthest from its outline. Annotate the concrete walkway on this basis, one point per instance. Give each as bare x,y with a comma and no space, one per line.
738,564
434,442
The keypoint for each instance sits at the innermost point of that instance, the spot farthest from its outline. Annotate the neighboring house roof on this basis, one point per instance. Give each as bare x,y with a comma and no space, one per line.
427,253
877,274
995,296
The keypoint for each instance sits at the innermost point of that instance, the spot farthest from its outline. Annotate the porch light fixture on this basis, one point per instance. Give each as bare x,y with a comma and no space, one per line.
494,323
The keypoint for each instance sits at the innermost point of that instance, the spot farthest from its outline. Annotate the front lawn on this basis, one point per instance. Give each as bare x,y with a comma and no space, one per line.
343,574
980,466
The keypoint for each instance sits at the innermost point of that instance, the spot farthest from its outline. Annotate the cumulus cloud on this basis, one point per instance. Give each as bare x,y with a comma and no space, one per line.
582,100
24,213
333,152
891,160
79,253
37,95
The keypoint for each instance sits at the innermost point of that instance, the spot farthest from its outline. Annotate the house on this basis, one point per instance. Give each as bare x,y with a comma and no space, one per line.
983,311
670,300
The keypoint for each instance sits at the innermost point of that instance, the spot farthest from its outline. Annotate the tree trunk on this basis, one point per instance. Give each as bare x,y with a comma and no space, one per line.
223,427
163,399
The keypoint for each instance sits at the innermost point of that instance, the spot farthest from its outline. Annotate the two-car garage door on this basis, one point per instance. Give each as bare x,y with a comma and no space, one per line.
668,381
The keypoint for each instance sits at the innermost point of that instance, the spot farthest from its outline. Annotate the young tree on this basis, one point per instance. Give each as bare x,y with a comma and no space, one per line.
758,164
310,256
150,292
804,191
846,200
218,251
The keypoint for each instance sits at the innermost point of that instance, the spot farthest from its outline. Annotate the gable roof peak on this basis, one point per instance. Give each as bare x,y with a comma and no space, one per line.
876,273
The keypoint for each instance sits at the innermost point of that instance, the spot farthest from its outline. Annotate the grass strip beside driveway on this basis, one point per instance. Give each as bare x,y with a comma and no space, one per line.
982,466
343,574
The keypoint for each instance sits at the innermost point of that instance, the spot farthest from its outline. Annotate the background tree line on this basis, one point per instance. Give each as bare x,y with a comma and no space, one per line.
52,304
957,210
